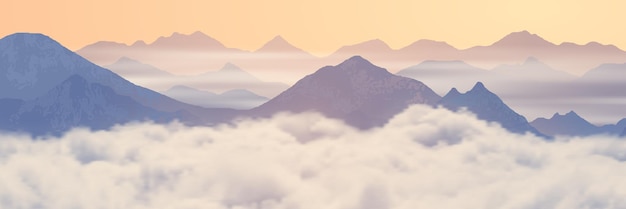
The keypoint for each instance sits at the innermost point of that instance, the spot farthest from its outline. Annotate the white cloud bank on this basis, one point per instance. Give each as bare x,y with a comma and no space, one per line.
424,158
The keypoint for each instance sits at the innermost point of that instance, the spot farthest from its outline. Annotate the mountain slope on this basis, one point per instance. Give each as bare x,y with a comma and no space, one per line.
355,91
76,102
34,64
517,46
487,106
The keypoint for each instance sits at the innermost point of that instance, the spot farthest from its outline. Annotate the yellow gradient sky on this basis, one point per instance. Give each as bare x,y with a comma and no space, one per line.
318,26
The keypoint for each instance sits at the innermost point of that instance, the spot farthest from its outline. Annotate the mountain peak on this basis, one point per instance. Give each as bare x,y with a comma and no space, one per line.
28,35
428,44
357,59
199,33
479,87
196,40
230,67
33,40
571,113
522,39
376,44
487,106
278,39
570,124
570,116
453,92
356,91
358,63
278,44
139,43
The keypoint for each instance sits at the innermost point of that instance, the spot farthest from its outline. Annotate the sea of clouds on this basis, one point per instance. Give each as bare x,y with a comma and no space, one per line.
423,158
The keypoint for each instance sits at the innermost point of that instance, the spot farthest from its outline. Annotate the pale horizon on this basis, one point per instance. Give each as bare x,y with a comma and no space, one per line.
248,25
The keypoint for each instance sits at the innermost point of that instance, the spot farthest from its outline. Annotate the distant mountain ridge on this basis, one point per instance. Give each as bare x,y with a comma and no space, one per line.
294,62
488,106
533,88
197,53
228,77
570,124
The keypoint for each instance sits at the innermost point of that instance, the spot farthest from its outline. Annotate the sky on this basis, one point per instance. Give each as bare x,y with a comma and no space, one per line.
318,26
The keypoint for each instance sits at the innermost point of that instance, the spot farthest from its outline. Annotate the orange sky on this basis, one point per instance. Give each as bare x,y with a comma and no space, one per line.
319,26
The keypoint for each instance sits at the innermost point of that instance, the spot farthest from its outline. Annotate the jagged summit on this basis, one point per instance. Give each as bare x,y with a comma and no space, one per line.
196,40
569,124
488,106
571,115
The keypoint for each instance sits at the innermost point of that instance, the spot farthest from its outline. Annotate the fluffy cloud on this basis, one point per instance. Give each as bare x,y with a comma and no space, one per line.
424,158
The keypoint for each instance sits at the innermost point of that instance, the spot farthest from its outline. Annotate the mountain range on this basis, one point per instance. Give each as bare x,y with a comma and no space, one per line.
280,61
571,124
228,77
520,67
487,106
197,53
49,89
534,88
